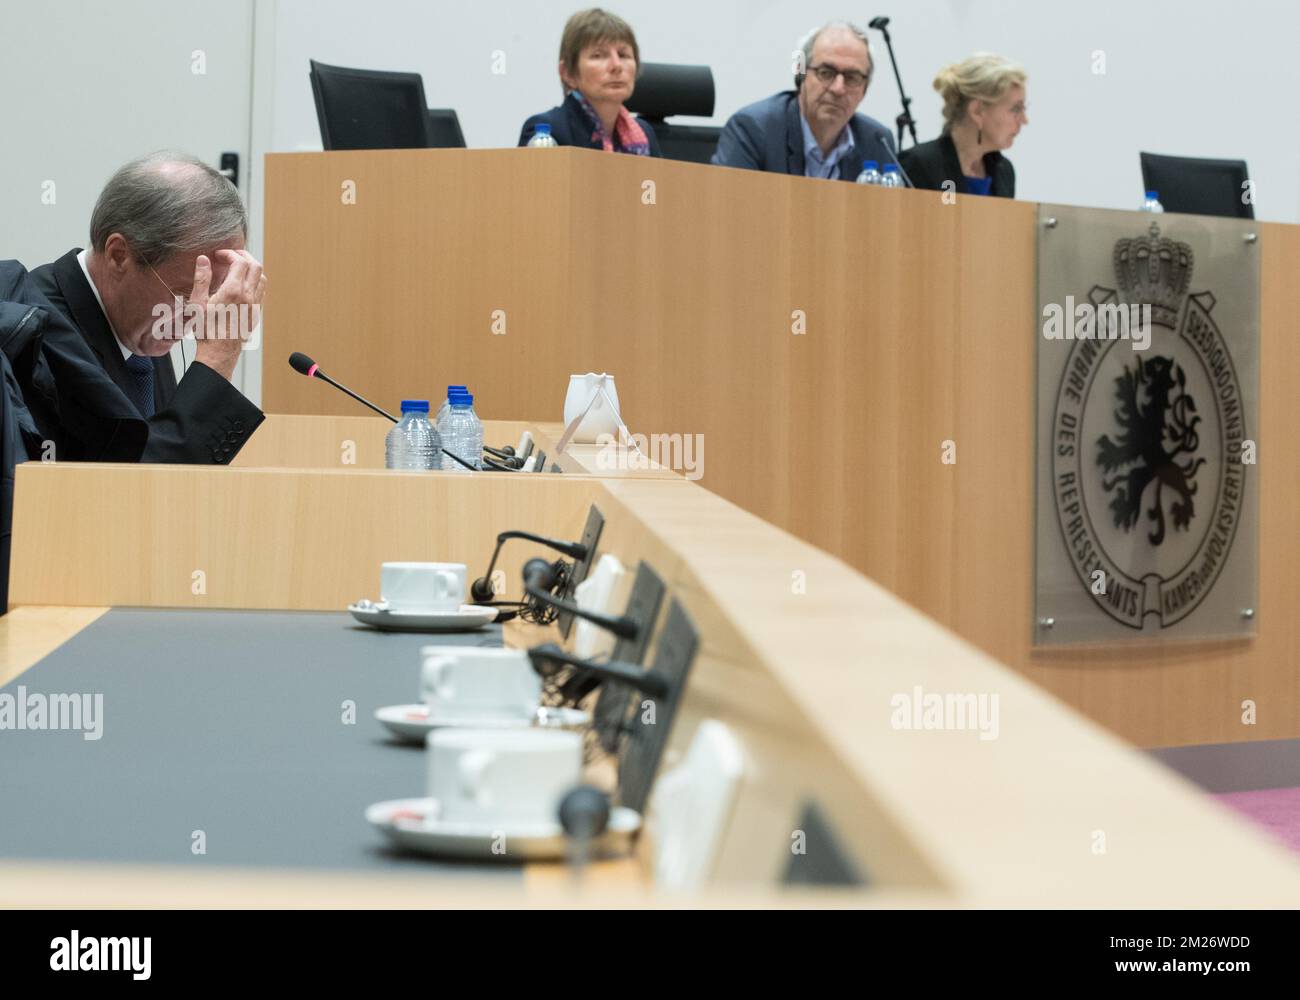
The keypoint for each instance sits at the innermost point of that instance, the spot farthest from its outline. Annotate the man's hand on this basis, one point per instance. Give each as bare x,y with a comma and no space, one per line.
231,313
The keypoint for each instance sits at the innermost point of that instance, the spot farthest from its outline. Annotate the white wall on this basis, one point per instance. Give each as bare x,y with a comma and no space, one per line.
87,85
1196,78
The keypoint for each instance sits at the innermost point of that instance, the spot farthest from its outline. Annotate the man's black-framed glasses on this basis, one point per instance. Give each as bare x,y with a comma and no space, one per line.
853,79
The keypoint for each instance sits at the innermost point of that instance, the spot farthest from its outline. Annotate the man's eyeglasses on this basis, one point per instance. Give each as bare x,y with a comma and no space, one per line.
185,299
853,79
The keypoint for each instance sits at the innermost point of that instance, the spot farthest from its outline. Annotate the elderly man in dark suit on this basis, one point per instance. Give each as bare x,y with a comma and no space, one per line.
813,130
166,256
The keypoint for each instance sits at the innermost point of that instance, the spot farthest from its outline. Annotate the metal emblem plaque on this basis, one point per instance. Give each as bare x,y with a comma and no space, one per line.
1147,443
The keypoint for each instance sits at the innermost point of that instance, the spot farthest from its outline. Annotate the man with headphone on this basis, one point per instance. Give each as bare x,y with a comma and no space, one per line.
813,130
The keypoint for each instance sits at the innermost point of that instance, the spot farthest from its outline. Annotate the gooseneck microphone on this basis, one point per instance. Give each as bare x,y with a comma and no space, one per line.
304,365
548,658
481,589
584,815
894,159
539,582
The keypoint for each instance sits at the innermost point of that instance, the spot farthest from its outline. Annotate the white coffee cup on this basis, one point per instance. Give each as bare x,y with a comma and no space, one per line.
510,777
422,587
473,682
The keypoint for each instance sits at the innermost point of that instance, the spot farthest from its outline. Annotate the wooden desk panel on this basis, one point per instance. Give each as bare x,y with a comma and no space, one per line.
804,675
919,329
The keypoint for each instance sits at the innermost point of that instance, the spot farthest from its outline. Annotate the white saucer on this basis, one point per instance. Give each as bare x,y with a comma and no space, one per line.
470,616
413,824
413,722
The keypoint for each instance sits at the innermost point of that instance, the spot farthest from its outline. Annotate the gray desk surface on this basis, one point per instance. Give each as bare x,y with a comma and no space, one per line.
229,722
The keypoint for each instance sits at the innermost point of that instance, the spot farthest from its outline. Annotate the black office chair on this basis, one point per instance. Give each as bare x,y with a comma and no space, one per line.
664,89
1198,186
370,109
444,129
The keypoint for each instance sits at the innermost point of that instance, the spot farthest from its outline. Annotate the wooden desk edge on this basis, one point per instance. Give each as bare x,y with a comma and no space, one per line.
28,634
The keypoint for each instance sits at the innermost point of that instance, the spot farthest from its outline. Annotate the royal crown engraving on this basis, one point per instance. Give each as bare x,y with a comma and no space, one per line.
1155,270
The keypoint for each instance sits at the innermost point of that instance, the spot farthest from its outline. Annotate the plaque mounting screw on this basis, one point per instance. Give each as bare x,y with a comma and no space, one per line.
1046,622
1250,237
1248,613
1050,222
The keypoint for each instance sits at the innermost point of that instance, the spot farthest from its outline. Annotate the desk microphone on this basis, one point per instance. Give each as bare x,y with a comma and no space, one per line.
304,365
505,456
481,589
898,165
584,815
539,584
548,659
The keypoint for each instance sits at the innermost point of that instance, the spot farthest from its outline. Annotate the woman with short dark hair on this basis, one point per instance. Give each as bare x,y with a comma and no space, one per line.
599,58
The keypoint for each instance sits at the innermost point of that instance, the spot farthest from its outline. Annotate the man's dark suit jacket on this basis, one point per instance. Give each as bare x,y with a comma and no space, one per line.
570,126
203,420
768,136
932,163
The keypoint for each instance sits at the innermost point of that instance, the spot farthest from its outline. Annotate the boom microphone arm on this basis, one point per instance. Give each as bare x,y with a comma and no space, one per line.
546,657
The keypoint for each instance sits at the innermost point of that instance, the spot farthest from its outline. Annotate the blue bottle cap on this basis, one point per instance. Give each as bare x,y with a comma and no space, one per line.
1153,196
462,399
453,388
541,128
891,168
415,405
870,165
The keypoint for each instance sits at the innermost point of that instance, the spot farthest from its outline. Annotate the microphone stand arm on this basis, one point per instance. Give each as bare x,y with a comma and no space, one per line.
649,681
622,627
904,120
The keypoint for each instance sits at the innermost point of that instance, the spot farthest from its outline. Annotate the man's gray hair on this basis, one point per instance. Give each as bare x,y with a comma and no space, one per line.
810,39
167,203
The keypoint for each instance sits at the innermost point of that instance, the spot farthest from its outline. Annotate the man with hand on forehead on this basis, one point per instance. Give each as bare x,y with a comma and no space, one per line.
814,130
166,257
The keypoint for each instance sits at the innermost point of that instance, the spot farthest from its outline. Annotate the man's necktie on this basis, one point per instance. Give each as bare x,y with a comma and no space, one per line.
141,374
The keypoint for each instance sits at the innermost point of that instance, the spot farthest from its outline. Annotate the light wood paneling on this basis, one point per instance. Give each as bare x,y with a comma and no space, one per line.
90,886
29,634
266,538
920,329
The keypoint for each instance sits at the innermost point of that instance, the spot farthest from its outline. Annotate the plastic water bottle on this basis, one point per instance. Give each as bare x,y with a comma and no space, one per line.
475,435
1152,203
891,178
542,137
870,172
446,403
462,434
449,429
413,443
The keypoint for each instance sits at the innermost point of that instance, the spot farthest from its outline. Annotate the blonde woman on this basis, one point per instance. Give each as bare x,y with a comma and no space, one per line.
983,112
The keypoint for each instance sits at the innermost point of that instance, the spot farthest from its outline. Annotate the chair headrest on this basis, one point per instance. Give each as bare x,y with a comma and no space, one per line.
664,89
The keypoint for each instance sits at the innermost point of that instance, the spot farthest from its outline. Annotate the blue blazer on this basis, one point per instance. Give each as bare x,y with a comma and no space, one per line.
570,126
767,136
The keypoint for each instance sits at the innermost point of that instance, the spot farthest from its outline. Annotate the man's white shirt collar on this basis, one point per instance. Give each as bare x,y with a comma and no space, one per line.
81,259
